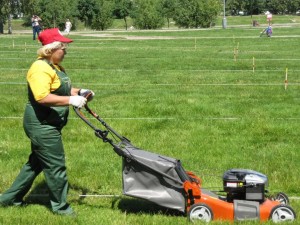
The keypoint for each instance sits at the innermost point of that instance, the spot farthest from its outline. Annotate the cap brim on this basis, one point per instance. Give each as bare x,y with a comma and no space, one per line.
64,39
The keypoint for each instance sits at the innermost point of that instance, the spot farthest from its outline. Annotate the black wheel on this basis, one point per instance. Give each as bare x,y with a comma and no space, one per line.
282,198
200,212
282,213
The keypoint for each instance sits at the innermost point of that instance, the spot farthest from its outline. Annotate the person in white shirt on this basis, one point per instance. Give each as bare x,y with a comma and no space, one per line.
68,26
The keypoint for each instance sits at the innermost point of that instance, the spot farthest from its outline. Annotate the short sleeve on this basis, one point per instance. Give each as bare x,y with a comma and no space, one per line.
40,78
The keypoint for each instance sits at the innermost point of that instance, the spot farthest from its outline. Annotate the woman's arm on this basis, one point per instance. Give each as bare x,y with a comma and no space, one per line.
55,100
74,91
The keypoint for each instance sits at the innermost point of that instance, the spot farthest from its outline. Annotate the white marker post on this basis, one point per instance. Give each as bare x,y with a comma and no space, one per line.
286,79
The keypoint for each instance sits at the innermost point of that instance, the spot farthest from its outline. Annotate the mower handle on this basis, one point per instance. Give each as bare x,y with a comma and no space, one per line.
103,135
99,133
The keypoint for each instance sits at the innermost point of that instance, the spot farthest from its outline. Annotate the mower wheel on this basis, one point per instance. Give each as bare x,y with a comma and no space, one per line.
282,198
200,212
282,213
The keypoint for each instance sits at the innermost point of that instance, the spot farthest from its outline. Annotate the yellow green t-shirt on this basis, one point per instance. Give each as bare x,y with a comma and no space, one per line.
42,79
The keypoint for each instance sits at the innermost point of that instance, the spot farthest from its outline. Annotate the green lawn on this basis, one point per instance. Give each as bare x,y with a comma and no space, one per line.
194,95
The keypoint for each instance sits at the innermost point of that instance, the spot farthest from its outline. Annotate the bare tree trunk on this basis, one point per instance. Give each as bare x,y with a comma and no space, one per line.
1,27
54,22
9,24
125,22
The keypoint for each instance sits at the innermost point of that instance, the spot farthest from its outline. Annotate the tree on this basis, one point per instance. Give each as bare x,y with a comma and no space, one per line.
146,15
2,16
251,7
293,6
29,7
277,6
8,8
87,10
187,13
55,12
234,6
122,10
196,13
283,6
52,12
209,11
167,8
103,18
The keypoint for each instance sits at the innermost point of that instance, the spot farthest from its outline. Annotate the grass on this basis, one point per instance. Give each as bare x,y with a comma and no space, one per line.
180,93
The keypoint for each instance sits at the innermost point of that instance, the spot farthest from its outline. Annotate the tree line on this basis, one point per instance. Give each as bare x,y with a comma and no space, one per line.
255,7
145,14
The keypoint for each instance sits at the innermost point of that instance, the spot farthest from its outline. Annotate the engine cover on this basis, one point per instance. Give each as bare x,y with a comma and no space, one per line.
244,184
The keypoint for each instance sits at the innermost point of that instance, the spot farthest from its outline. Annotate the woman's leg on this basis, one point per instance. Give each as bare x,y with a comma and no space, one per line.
50,153
14,195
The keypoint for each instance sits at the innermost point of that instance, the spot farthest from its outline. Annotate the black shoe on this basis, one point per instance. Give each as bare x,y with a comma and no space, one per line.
21,204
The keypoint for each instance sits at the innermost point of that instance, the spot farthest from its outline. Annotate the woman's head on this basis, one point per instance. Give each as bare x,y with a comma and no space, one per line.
54,45
47,50
54,52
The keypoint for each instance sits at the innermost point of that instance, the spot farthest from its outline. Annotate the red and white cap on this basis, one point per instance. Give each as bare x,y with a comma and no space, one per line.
49,36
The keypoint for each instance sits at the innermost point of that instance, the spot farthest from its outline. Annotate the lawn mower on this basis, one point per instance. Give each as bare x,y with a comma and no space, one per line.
163,180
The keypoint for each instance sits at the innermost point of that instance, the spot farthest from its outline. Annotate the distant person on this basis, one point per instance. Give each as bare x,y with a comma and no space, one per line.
68,26
255,23
36,26
268,31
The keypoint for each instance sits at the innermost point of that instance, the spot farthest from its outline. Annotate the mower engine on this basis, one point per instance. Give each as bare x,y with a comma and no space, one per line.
242,184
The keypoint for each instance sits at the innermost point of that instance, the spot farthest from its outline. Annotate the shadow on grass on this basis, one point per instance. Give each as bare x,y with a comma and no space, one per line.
135,206
39,195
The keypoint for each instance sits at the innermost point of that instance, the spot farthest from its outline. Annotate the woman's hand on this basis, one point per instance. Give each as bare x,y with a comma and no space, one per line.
87,94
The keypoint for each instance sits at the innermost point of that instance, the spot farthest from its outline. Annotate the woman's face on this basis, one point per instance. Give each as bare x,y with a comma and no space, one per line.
58,55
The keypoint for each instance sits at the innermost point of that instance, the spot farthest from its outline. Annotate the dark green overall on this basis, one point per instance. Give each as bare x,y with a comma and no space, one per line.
43,126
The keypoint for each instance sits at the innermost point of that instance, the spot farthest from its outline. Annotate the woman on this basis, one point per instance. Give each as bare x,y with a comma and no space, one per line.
50,93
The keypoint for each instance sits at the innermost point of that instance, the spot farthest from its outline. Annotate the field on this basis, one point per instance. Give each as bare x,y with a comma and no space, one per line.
214,98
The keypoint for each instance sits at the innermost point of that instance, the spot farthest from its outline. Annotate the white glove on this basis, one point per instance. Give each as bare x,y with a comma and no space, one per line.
77,101
86,93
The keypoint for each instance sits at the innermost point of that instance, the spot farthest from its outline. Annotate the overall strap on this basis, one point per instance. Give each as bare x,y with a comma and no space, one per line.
53,67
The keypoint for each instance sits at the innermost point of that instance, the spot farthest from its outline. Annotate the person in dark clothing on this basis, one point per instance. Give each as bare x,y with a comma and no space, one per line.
50,93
